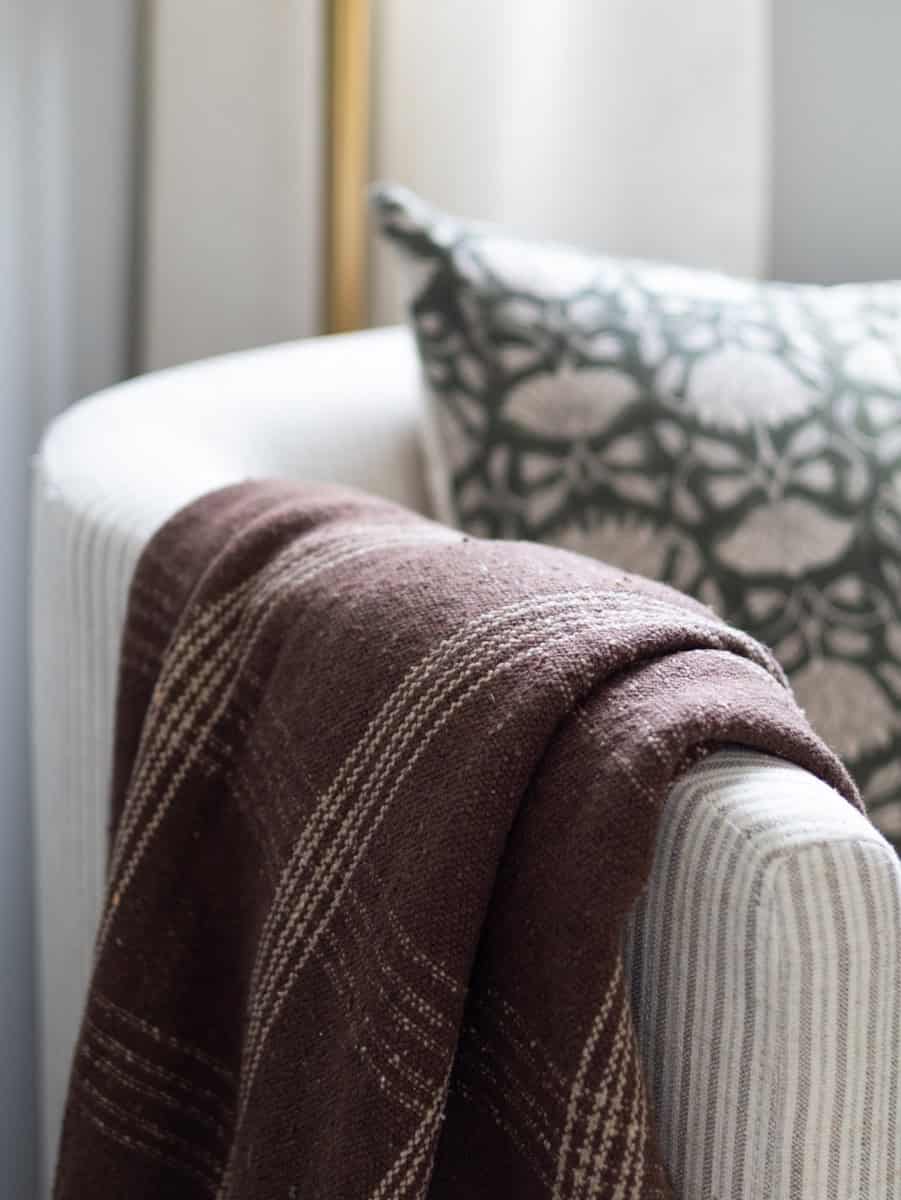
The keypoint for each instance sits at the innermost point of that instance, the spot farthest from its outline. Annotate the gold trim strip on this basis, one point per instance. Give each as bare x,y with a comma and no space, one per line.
348,160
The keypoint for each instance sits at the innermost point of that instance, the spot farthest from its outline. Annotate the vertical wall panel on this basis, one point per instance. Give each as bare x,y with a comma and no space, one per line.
67,76
837,149
233,176
17,1082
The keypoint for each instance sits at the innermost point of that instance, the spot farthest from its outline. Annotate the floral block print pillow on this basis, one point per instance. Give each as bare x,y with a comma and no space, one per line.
739,440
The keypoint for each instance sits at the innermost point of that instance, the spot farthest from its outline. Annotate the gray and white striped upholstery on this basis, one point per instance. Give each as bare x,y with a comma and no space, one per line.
765,957
765,963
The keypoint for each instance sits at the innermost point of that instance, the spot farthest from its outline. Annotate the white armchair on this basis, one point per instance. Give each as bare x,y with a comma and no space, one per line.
765,958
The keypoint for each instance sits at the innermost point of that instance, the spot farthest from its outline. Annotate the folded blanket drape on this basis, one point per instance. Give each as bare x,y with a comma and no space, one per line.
383,795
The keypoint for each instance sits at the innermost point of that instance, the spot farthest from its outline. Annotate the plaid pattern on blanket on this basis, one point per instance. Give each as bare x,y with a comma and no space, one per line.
383,796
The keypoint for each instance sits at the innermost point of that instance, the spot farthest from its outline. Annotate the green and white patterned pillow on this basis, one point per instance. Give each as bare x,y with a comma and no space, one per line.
741,441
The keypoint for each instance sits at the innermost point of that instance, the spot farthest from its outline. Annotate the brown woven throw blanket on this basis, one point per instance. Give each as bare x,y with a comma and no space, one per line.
383,796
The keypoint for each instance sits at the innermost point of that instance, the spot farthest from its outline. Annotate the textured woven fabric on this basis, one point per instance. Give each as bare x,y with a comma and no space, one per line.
765,965
344,409
383,799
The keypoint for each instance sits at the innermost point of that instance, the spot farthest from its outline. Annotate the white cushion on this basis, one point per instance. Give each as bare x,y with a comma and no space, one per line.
348,409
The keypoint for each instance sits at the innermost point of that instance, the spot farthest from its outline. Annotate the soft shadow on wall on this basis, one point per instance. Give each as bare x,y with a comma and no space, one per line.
836,192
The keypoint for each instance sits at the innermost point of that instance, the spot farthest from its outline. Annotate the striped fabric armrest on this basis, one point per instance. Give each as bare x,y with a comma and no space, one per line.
765,962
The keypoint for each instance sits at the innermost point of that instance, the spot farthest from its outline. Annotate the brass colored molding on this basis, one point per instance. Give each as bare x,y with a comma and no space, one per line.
348,163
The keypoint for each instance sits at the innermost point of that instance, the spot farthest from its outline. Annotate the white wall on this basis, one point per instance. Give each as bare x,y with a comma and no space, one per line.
837,147
632,126
754,135
233,173
77,166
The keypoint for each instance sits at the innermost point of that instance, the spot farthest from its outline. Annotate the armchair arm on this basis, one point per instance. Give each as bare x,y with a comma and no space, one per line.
765,964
